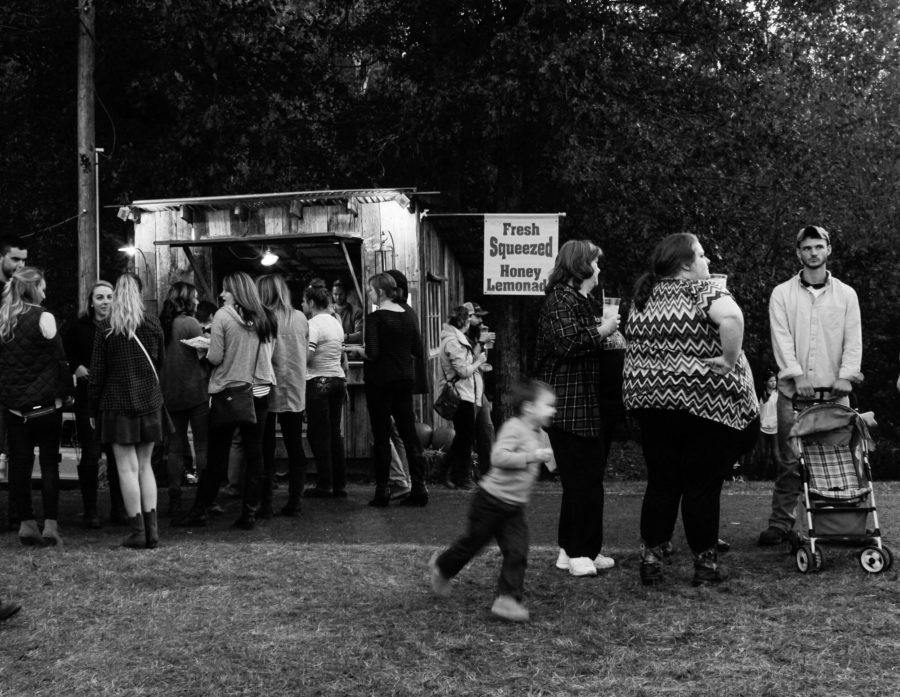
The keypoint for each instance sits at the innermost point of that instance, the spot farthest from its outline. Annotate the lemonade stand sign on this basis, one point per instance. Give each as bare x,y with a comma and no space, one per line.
519,251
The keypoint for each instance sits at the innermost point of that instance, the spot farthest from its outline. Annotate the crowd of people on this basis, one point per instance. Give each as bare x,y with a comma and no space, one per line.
678,366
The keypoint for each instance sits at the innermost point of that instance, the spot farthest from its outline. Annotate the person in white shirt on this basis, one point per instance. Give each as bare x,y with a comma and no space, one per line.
817,341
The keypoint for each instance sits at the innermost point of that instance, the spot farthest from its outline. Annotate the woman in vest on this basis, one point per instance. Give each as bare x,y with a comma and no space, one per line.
125,393
34,380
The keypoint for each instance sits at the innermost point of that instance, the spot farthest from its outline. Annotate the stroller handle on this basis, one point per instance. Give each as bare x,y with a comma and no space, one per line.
817,398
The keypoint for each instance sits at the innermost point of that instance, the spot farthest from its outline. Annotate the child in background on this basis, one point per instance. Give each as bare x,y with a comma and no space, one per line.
498,508
768,427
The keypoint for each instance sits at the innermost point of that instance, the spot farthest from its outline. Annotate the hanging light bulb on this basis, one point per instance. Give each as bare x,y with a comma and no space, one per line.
268,258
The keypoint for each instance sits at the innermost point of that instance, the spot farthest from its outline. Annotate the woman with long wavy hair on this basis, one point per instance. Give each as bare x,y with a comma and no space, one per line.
184,384
33,377
241,340
288,399
125,392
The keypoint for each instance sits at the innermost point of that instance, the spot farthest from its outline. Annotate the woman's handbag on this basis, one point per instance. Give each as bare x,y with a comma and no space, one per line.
447,401
232,406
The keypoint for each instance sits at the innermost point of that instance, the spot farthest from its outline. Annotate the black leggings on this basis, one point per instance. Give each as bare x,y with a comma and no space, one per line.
687,460
291,423
395,399
44,432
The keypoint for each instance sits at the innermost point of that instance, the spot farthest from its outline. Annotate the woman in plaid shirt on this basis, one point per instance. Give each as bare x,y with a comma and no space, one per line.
572,342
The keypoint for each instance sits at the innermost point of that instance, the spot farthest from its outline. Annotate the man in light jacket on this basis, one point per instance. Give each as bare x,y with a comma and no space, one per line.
817,341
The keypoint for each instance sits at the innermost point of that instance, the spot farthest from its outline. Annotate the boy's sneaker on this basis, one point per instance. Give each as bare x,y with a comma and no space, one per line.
582,566
508,608
440,584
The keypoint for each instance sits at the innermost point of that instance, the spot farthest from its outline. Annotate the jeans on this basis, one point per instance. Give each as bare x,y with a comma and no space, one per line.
291,423
216,469
490,517
395,399
89,465
44,432
325,399
399,464
687,460
459,457
786,491
581,463
198,419
484,435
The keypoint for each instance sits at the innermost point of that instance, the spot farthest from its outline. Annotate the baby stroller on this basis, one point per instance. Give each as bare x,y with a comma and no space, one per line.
832,442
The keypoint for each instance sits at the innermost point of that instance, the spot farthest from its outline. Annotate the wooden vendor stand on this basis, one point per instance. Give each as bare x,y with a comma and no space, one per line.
346,235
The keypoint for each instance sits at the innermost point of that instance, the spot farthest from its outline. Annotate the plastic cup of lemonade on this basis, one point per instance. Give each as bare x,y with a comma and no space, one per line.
610,307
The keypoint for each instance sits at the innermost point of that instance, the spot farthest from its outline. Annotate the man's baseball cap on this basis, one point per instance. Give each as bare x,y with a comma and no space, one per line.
815,232
475,309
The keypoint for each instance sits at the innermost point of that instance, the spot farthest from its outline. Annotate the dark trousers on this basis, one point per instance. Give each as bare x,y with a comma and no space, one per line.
291,423
197,417
325,399
216,470
687,460
395,399
581,463
484,435
459,457
489,517
89,465
43,432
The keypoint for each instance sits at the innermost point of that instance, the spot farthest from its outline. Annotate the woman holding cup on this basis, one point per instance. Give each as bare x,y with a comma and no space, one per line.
580,355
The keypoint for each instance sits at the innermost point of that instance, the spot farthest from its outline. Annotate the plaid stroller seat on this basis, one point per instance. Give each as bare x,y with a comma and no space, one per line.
833,473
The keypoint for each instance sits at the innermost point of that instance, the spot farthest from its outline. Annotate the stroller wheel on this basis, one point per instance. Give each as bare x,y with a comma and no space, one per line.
888,555
808,562
874,560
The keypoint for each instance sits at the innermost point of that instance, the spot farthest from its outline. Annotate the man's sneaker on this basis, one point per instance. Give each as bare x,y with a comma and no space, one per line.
603,562
440,584
772,536
582,566
508,608
562,561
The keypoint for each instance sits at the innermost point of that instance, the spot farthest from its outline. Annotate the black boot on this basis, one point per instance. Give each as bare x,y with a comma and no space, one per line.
151,529
382,496
707,570
651,564
138,538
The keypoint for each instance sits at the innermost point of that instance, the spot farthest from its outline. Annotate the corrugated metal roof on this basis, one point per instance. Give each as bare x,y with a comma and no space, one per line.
325,197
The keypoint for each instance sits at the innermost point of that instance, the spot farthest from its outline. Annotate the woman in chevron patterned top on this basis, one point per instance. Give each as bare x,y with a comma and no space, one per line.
689,384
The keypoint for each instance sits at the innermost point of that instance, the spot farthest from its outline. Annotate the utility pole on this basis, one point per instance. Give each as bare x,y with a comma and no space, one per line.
88,233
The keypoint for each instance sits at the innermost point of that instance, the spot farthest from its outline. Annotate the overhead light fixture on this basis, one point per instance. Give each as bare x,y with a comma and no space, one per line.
130,250
268,258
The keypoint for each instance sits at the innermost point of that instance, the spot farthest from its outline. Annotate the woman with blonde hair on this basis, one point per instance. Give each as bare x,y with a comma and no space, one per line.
34,381
288,399
126,394
241,340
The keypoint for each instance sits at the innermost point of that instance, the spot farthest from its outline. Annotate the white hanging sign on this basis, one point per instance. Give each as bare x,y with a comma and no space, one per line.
519,251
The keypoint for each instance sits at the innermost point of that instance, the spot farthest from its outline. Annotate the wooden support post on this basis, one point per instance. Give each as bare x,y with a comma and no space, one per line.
88,242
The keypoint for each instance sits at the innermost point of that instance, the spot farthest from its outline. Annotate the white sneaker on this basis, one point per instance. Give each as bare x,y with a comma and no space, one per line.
562,561
508,608
602,563
440,584
582,566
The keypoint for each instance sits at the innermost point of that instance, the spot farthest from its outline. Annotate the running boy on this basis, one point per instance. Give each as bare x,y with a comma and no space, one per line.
498,508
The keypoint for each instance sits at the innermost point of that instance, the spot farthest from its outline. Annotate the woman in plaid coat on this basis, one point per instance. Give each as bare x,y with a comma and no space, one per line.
572,337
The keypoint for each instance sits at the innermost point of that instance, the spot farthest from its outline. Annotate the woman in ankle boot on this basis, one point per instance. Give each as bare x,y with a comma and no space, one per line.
690,387
125,392
34,382
78,341
288,398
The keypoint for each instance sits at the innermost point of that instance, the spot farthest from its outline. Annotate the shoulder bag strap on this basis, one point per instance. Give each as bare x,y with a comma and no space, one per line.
153,367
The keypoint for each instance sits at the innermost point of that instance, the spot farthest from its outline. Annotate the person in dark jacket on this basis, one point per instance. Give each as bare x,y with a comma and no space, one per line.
34,380
125,392
78,340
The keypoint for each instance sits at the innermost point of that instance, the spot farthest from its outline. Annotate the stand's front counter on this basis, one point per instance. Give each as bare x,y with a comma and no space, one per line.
357,430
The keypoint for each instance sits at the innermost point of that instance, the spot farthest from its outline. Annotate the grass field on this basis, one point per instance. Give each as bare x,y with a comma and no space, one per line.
338,603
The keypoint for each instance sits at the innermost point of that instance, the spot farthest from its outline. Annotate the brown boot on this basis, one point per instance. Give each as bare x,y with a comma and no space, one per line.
151,529
138,538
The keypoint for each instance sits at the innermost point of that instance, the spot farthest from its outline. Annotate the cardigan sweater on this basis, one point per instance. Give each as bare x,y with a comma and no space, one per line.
233,346
457,359
185,377
122,379
393,345
32,367
289,362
